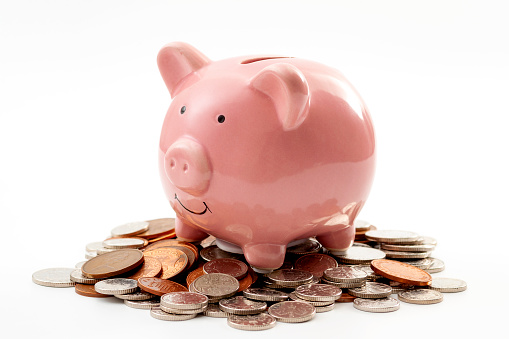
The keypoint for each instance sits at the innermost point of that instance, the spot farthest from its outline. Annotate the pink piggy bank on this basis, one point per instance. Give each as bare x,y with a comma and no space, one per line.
263,151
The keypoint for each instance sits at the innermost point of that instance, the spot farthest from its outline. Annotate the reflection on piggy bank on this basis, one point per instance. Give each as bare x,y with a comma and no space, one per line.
262,151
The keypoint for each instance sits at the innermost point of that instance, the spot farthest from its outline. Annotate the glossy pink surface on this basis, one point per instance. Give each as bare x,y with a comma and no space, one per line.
267,150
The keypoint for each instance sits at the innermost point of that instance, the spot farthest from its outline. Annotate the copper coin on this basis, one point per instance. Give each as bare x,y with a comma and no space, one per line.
194,274
159,286
245,282
191,257
401,272
174,261
233,267
315,263
89,291
150,268
172,242
113,263
346,298
158,228
170,235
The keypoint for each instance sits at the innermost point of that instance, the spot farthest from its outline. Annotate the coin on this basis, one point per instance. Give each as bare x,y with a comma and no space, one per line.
138,295
422,296
264,294
80,264
318,292
407,248
401,272
89,291
326,308
448,285
293,296
367,269
116,286
183,311
345,274
292,311
131,228
391,236
151,268
184,300
142,304
344,285
361,225
214,252
54,277
77,276
119,243
436,266
346,298
247,281
93,246
257,322
233,267
406,255
214,311
172,260
194,274
157,313
242,306
308,246
290,277
372,290
190,254
315,263
216,285
423,264
158,228
113,263
381,305
361,255
159,286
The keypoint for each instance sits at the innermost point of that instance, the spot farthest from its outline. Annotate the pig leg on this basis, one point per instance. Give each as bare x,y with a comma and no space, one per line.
187,232
338,242
264,257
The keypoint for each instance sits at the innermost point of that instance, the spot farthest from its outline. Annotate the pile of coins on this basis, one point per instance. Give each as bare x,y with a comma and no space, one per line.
143,264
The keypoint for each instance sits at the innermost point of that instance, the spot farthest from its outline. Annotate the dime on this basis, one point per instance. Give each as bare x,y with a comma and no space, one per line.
436,266
157,313
292,311
401,272
158,228
138,295
242,306
315,263
289,278
318,292
257,322
131,228
391,236
184,300
233,267
54,277
293,296
142,304
214,311
376,305
407,248
159,286
345,274
216,285
214,252
119,243
264,294
79,278
422,296
448,285
151,268
308,246
361,255
371,290
116,286
113,263
89,291
172,260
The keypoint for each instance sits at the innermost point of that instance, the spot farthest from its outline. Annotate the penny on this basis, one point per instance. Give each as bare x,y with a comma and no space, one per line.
372,290
406,255
158,228
184,300
315,263
172,260
89,291
391,236
346,298
193,275
54,277
401,272
166,236
307,247
119,243
257,322
173,243
247,281
290,278
361,255
264,294
116,286
448,285
157,313
292,311
408,248
113,263
293,296
318,292
233,267
214,252
138,295
422,296
159,286
345,274
436,266
78,277
190,254
214,311
242,306
216,285
142,304
151,268
131,228
381,305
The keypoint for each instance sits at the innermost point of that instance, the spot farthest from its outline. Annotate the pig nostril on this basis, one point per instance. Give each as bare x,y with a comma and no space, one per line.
185,168
172,163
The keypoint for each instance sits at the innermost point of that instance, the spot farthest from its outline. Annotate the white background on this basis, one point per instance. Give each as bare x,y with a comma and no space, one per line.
82,104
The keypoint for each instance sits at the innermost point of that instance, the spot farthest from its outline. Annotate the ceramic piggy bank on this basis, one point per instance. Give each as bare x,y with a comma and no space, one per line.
263,151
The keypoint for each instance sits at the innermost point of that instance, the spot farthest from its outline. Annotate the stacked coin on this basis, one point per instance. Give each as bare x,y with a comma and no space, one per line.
182,303
345,276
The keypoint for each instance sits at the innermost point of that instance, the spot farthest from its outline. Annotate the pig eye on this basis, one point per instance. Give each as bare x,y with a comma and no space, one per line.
183,109
220,119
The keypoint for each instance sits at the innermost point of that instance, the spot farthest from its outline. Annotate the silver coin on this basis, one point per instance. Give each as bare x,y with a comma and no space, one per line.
294,297
344,285
213,252
264,294
345,274
307,247
184,300
448,285
327,308
360,244
406,255
407,248
371,275
90,255
436,266
371,290
142,304
257,322
429,241
214,311
381,305
318,292
119,243
54,277
139,295
131,228
361,225
290,277
81,263
78,277
181,311
116,286
216,285
292,311
103,250
157,313
422,296
419,263
361,255
242,306
93,246
392,236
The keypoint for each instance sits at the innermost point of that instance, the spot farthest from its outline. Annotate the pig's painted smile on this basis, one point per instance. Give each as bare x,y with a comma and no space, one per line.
199,213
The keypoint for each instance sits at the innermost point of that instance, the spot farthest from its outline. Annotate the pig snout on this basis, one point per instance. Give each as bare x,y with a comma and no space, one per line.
187,166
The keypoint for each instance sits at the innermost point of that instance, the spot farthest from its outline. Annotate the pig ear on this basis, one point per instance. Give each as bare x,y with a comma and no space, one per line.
176,60
288,89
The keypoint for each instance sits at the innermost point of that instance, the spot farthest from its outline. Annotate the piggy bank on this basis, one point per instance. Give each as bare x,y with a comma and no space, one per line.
262,152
